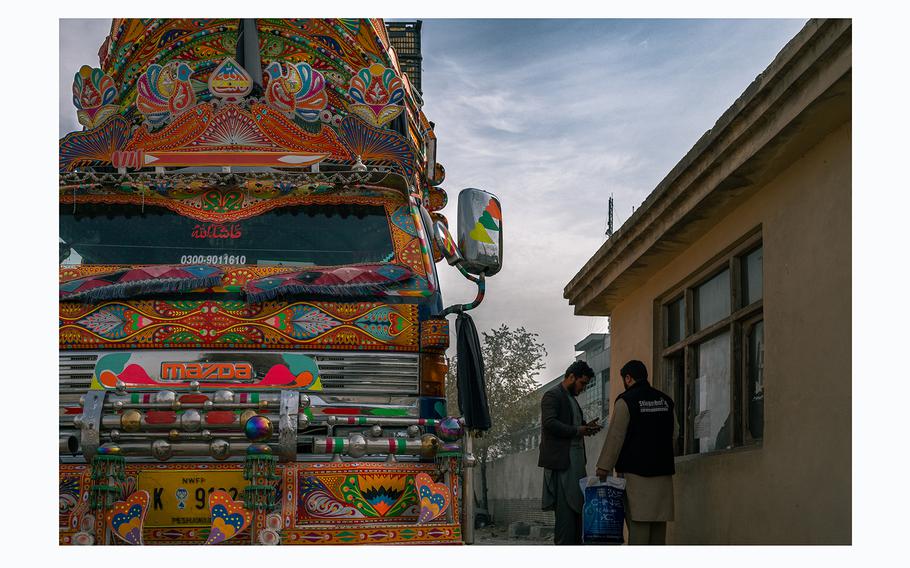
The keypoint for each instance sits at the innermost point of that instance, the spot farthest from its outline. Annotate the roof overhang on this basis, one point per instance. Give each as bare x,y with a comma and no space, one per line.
803,95
591,341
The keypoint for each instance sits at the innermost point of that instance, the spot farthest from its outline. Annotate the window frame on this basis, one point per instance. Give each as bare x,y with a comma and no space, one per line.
737,323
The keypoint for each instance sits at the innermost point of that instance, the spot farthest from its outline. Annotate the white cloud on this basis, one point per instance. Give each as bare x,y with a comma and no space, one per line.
553,116
557,134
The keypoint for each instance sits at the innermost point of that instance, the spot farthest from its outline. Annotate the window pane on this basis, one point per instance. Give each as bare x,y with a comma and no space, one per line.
588,398
676,321
752,276
756,364
674,369
712,300
710,398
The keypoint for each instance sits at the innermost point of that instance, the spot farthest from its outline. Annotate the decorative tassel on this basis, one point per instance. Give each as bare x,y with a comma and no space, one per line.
107,469
259,471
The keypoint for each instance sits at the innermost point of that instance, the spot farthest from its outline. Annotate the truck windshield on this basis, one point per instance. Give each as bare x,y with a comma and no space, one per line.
299,235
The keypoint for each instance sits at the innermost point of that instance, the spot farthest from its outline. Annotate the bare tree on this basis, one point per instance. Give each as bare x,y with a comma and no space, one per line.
512,360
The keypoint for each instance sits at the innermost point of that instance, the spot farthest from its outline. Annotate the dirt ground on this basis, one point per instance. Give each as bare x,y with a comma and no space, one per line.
499,536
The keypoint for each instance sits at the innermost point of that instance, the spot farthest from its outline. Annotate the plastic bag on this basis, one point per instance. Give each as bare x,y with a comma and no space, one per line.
604,512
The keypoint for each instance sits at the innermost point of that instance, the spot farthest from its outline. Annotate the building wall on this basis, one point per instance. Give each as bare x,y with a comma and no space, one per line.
515,484
795,487
593,400
405,38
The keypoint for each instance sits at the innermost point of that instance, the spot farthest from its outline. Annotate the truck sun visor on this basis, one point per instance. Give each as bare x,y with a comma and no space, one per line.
341,281
132,282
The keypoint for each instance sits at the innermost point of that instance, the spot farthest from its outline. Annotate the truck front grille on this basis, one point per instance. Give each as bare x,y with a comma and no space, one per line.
367,379
76,368
394,374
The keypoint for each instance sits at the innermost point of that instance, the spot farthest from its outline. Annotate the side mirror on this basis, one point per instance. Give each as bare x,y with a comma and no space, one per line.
480,231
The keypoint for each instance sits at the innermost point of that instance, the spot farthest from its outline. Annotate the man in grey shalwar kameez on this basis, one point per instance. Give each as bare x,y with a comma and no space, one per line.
562,451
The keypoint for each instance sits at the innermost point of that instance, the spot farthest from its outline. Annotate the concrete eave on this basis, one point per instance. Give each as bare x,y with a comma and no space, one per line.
804,94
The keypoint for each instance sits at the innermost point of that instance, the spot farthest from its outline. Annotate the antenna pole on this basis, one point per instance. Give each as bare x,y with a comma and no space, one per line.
248,55
610,217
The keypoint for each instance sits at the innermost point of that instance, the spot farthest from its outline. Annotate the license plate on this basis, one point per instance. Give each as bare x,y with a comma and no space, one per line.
180,498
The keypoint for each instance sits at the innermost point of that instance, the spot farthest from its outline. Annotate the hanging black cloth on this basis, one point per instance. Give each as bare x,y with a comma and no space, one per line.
472,389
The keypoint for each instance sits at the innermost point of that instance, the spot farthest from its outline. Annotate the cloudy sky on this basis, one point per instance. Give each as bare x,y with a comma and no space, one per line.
553,116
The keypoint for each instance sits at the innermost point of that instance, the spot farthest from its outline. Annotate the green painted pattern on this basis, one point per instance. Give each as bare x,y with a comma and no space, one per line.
408,498
448,454
389,412
352,493
346,536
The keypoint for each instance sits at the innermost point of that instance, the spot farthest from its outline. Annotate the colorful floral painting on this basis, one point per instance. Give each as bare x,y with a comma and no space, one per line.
213,323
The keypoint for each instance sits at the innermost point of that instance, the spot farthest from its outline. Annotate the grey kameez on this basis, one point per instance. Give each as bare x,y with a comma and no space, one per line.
561,491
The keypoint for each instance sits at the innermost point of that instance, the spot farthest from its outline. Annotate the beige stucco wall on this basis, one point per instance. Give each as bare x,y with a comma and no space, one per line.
795,488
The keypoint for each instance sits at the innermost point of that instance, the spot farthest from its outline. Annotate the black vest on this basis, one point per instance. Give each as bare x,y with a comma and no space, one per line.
648,446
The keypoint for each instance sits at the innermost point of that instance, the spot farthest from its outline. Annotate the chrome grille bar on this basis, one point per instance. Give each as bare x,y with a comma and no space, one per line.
352,376
369,373
76,368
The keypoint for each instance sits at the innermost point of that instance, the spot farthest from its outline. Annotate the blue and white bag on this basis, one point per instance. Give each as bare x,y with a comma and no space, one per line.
604,513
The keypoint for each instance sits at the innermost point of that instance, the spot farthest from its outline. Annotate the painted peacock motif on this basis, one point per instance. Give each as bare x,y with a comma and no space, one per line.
165,92
296,90
95,96
377,94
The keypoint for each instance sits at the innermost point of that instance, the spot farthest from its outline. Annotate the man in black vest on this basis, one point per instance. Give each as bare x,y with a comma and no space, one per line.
562,451
639,445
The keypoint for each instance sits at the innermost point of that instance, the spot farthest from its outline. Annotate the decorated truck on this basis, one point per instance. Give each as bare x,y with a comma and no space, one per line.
252,334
